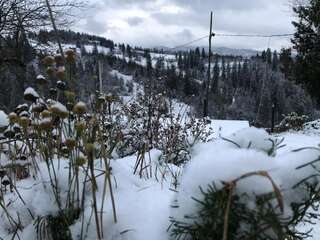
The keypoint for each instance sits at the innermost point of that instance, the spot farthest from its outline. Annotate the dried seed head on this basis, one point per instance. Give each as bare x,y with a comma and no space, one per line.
24,122
13,117
41,80
70,52
59,110
70,56
58,59
80,161
80,127
46,124
69,106
89,147
61,73
70,143
45,114
38,108
30,95
51,71
71,96
48,61
80,108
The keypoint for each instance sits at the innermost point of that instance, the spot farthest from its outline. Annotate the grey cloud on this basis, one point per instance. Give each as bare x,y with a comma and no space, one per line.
233,16
219,5
121,4
183,36
246,20
94,26
134,21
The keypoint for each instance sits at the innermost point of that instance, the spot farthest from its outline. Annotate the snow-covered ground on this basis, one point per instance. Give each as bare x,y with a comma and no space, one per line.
144,205
51,47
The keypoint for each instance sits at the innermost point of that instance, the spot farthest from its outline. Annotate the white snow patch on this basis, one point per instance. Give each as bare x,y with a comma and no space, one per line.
4,121
31,91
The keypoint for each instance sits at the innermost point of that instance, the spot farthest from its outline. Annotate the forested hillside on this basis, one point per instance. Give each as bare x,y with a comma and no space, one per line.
242,88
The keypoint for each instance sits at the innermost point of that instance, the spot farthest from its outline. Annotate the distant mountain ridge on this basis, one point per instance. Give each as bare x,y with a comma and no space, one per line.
218,50
84,38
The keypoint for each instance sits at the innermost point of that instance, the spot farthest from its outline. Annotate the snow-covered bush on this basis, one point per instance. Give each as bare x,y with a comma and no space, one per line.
150,123
236,189
292,121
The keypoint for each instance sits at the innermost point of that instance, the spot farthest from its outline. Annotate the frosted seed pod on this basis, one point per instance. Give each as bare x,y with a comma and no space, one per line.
89,148
70,56
58,59
30,95
59,110
61,73
80,127
80,108
41,80
24,122
13,117
48,61
46,124
70,143
80,161
50,71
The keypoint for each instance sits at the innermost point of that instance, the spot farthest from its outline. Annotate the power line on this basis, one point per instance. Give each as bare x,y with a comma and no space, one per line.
254,35
233,35
189,43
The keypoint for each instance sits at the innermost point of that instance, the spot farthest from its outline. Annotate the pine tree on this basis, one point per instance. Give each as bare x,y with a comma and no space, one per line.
269,56
286,62
203,54
275,61
216,73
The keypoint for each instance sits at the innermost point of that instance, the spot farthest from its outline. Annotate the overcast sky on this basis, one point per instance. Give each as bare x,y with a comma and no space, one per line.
173,22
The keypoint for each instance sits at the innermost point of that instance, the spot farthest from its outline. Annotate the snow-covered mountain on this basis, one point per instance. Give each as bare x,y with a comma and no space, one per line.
217,50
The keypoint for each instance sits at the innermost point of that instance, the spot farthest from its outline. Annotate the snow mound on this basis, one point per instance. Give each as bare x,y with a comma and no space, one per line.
252,138
312,128
4,121
222,161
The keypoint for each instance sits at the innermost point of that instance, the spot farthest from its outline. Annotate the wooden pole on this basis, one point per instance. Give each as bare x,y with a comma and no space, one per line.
54,26
207,84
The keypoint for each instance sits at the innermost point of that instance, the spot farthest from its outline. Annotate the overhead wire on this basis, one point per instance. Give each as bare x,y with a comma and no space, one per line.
233,35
